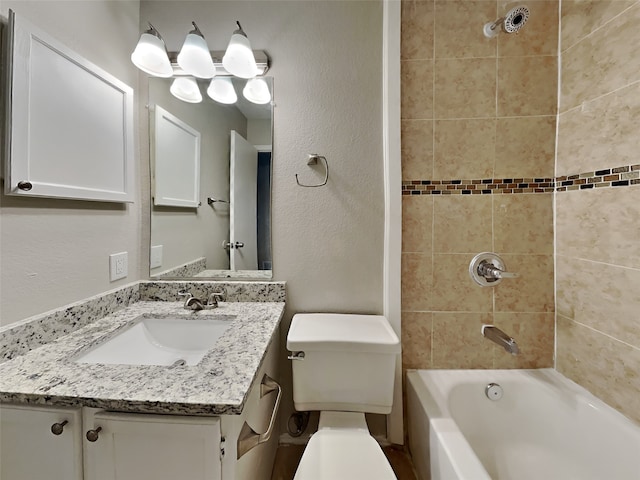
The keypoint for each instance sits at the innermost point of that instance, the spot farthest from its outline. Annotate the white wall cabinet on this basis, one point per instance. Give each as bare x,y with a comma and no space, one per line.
29,450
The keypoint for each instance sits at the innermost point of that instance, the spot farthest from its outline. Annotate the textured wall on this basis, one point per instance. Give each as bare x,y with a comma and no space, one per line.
476,111
53,251
597,229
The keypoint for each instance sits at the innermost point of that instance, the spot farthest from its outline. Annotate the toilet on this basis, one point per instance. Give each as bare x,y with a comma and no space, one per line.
343,366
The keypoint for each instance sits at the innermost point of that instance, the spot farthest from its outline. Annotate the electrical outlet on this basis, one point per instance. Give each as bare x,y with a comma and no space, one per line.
118,266
156,256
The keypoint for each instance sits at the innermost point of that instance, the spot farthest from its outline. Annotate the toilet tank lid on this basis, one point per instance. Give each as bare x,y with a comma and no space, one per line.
342,332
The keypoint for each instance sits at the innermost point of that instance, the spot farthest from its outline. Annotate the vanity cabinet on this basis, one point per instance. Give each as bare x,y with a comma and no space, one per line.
40,443
161,447
95,444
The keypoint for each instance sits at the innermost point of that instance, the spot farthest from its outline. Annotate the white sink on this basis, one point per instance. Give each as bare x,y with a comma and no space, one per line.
160,341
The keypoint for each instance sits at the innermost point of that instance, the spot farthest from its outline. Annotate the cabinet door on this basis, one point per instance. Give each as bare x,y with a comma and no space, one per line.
158,447
30,451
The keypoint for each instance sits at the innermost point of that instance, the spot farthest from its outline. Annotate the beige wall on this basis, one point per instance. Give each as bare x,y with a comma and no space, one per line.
597,230
475,108
53,251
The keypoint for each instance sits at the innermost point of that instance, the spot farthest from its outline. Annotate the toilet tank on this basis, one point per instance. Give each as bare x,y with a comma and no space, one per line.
343,362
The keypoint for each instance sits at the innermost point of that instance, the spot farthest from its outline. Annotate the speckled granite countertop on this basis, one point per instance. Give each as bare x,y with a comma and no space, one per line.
218,385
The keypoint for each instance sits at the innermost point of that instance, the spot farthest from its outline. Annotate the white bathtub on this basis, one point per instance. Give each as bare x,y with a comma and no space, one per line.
545,427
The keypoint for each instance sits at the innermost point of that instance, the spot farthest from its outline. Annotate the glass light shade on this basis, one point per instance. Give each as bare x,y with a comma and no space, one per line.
257,91
222,91
238,59
150,56
194,57
186,89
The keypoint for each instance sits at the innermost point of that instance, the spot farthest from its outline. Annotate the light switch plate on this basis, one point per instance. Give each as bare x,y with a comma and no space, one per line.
118,266
156,256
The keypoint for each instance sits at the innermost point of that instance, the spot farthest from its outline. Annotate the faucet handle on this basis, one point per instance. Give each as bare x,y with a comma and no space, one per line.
185,293
215,297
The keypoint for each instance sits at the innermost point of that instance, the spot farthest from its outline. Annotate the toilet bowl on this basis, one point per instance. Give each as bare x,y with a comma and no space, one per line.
343,449
343,366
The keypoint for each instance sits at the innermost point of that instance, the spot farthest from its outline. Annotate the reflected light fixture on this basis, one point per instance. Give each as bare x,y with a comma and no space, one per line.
150,54
238,59
186,89
194,57
221,90
257,91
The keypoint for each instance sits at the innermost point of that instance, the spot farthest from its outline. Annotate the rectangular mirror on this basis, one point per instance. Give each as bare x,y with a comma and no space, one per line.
226,232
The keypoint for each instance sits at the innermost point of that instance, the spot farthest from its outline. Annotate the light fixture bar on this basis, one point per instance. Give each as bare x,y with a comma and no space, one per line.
262,60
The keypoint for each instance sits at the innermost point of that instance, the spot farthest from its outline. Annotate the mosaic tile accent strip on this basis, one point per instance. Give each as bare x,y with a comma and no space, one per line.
624,176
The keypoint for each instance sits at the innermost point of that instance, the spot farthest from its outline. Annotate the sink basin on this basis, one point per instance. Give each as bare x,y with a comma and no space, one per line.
160,341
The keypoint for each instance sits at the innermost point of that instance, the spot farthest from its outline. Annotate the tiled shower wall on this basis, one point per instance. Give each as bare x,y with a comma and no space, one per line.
477,112
598,229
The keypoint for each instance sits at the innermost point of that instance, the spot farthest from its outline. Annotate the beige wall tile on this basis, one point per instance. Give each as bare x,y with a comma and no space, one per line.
581,17
532,291
527,86
453,40
416,282
534,334
462,224
416,339
458,343
417,89
602,62
606,367
417,223
525,147
417,149
465,88
453,289
538,37
523,223
464,148
603,133
600,296
417,30
600,225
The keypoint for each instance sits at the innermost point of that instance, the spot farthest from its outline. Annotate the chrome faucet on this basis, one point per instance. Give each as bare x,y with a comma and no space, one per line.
496,335
193,303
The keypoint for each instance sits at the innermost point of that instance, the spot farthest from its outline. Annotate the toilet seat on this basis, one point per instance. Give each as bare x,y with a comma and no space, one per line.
343,449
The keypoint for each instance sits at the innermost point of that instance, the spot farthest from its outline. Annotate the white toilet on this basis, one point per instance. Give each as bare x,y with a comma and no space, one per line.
344,366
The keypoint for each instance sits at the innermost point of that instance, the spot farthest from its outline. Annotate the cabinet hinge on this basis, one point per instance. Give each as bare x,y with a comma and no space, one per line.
222,445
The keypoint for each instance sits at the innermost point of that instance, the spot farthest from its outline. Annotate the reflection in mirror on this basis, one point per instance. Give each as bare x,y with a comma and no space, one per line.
227,232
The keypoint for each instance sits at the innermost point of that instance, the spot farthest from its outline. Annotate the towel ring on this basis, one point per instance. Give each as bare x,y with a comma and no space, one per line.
313,160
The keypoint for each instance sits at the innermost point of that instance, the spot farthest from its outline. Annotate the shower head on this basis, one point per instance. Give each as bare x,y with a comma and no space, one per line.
513,21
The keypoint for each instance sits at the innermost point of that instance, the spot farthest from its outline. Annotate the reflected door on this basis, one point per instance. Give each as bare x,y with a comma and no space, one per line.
244,202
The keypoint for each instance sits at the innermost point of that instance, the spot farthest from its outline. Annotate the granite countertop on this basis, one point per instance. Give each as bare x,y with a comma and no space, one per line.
218,385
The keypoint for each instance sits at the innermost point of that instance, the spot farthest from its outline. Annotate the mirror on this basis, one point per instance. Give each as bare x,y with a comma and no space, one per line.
226,233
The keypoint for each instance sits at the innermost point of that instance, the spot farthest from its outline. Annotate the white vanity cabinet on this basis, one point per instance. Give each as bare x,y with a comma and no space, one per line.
159,447
40,443
96,444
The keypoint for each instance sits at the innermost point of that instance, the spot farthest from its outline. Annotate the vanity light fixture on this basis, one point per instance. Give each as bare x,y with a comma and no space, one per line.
238,59
257,91
150,54
186,89
221,90
194,57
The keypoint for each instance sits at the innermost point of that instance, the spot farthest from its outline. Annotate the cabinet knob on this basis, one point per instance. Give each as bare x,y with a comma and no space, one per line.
25,185
92,435
57,428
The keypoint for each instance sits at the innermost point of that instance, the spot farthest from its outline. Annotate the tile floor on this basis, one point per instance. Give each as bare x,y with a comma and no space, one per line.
288,456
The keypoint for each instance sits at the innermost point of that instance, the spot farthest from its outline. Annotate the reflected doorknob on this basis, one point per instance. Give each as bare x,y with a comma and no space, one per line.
227,245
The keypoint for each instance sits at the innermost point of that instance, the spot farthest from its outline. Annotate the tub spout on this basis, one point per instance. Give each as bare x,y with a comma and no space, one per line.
496,335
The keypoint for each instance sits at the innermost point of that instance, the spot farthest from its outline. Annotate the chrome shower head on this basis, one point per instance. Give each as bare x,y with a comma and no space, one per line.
512,22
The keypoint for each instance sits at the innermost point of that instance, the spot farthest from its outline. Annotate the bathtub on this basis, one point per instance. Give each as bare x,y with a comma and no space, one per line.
545,427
